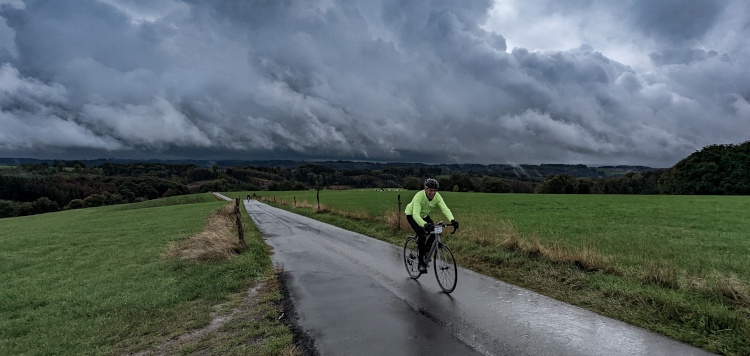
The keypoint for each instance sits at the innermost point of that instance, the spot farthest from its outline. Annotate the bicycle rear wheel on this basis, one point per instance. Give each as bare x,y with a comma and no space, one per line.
411,253
445,268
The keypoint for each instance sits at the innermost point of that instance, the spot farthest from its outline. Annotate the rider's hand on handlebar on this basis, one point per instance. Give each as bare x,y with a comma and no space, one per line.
429,227
455,224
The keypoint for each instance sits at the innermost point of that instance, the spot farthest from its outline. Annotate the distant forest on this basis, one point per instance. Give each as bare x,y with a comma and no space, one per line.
38,186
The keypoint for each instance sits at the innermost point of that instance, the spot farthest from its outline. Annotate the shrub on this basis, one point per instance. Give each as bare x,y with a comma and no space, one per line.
25,209
8,209
494,185
94,200
113,199
75,204
171,192
45,205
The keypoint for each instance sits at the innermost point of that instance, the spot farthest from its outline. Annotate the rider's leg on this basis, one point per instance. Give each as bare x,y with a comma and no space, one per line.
421,245
424,247
421,234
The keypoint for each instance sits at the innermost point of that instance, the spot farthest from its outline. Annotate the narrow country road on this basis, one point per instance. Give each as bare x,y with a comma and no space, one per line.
353,297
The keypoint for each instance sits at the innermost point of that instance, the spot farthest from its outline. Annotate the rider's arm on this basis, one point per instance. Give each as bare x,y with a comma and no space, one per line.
444,208
417,208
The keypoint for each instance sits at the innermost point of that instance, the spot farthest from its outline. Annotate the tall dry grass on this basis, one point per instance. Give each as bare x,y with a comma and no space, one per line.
501,233
295,203
728,287
218,241
322,208
396,219
731,287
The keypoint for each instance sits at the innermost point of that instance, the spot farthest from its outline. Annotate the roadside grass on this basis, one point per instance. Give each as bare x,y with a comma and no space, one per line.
116,280
676,265
217,241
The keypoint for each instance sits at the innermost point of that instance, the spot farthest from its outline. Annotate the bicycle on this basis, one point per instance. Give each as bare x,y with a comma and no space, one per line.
444,266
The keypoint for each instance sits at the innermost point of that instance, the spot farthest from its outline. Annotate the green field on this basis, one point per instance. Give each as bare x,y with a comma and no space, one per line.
95,282
677,265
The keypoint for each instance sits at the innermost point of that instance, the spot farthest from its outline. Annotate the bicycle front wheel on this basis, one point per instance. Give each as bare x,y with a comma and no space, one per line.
445,268
411,253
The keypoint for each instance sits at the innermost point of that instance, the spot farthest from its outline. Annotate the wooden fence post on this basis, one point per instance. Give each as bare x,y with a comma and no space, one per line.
238,221
318,195
398,212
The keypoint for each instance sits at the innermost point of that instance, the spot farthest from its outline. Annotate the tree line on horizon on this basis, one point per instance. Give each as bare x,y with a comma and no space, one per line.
35,188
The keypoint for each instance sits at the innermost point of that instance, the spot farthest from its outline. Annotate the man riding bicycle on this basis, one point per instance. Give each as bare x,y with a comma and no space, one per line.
417,214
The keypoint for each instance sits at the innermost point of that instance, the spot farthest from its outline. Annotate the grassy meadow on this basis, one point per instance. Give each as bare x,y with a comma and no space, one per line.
127,278
677,265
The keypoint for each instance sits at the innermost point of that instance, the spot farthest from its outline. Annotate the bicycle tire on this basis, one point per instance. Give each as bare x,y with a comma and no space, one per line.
445,268
411,253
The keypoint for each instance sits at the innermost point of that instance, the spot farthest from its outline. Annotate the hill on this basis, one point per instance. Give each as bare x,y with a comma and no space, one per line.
714,170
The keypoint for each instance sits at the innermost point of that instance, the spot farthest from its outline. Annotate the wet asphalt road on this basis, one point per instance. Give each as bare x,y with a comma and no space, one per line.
353,297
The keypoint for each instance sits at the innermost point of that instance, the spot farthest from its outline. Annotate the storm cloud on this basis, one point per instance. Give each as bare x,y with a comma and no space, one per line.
636,82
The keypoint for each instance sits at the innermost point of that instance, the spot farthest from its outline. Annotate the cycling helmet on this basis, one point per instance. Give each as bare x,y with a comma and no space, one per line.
431,183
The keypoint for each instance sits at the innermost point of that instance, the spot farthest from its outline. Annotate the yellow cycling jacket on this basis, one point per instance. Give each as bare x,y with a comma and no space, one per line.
420,207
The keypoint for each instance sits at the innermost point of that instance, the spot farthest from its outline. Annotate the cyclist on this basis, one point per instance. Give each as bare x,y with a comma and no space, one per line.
418,216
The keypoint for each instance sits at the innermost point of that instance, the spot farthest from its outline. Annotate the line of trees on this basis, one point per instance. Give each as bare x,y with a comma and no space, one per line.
630,183
39,188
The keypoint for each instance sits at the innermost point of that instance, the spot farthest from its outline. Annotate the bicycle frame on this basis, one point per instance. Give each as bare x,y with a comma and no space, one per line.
434,246
437,232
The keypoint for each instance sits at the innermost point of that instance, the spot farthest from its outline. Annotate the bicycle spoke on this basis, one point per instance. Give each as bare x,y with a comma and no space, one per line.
445,269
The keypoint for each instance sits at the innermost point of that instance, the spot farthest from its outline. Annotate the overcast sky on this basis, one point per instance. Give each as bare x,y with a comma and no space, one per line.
636,82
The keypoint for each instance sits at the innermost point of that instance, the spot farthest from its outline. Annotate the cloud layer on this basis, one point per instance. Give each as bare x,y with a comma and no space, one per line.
635,82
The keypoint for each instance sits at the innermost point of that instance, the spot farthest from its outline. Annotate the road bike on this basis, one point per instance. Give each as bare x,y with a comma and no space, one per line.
444,266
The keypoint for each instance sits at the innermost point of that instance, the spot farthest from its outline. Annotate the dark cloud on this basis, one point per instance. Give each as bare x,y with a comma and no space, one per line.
680,22
680,56
381,80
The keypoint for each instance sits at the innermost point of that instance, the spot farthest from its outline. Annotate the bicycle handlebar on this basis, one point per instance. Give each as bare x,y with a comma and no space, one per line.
446,225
